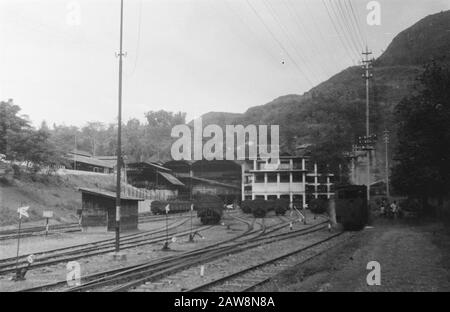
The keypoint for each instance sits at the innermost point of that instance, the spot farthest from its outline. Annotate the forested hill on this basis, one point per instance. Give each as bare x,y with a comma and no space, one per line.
334,111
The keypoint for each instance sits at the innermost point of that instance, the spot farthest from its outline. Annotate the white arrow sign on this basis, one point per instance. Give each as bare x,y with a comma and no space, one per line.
23,211
167,208
192,207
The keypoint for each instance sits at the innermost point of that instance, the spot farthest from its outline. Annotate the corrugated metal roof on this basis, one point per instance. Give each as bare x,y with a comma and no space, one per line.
214,182
149,164
105,193
171,178
90,161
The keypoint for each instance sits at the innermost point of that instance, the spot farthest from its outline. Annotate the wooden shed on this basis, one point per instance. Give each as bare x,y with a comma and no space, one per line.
99,210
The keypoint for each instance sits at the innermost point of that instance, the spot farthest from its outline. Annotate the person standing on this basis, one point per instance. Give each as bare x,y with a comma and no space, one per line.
394,209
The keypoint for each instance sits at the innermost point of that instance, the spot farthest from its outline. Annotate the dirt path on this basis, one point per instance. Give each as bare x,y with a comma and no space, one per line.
412,258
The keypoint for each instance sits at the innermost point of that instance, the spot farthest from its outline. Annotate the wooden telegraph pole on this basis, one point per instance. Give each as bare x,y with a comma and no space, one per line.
367,65
119,134
386,142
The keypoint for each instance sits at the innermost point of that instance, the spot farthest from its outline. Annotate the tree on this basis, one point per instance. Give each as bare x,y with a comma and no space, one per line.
423,150
11,125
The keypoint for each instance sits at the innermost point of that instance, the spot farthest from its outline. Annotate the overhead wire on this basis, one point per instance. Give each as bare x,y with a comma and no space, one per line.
346,33
286,33
274,37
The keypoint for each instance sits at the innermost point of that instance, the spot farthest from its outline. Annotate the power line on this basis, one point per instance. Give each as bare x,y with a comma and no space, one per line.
353,47
253,33
336,60
358,22
286,33
138,42
290,7
278,42
343,42
353,30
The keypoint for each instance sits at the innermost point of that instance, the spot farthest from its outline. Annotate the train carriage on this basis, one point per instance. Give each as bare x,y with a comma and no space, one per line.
350,205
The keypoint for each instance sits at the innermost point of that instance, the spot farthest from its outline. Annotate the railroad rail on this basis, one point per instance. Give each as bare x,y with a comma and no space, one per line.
74,252
75,227
137,276
251,277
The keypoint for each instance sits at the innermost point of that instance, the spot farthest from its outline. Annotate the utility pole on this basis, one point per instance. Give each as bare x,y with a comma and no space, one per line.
386,142
119,134
367,65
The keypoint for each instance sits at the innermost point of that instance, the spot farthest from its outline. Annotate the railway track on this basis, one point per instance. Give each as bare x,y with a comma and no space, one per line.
138,276
74,252
256,275
133,276
97,279
75,227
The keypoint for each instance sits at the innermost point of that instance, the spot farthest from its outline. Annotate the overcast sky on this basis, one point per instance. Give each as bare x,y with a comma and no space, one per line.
58,63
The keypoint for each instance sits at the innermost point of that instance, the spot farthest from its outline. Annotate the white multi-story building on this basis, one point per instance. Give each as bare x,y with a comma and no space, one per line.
293,178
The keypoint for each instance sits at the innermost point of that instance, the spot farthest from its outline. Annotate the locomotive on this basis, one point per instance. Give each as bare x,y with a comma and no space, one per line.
350,205
209,208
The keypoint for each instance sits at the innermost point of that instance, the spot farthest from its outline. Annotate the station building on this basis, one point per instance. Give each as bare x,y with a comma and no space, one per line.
294,178
98,210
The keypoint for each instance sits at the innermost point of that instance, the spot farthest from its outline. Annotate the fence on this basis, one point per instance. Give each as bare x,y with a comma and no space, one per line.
132,191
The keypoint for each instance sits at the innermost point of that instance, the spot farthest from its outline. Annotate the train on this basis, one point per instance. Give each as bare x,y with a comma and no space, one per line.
209,208
350,206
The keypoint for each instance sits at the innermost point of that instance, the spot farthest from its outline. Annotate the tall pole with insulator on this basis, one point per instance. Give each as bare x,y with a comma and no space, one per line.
119,135
386,142
367,64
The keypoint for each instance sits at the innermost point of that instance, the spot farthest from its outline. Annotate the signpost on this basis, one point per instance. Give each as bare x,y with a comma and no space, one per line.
22,211
191,237
47,214
166,244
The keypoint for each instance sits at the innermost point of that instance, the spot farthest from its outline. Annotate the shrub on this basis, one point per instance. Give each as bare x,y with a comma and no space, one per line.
318,205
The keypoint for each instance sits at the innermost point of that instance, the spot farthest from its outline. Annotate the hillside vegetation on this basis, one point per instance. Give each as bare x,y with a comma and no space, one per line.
42,192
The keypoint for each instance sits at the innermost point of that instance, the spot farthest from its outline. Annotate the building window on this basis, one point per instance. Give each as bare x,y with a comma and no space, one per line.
271,197
310,189
310,179
322,188
322,179
284,177
259,178
284,196
259,197
297,177
272,178
298,163
249,197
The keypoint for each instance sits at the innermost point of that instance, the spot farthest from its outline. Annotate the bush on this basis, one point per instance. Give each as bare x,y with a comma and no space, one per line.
259,208
410,205
281,206
318,205
246,206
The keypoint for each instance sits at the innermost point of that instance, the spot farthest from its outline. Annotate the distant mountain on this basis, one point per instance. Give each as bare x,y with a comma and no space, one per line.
338,104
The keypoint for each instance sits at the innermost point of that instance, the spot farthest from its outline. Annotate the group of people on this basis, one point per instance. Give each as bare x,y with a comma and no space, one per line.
390,210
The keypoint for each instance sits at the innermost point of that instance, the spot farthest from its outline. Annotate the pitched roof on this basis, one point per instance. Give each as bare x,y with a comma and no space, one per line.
171,178
105,193
148,164
214,182
90,160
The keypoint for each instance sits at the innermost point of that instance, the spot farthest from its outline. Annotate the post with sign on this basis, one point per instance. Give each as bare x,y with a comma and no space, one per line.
191,237
23,212
47,215
166,244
